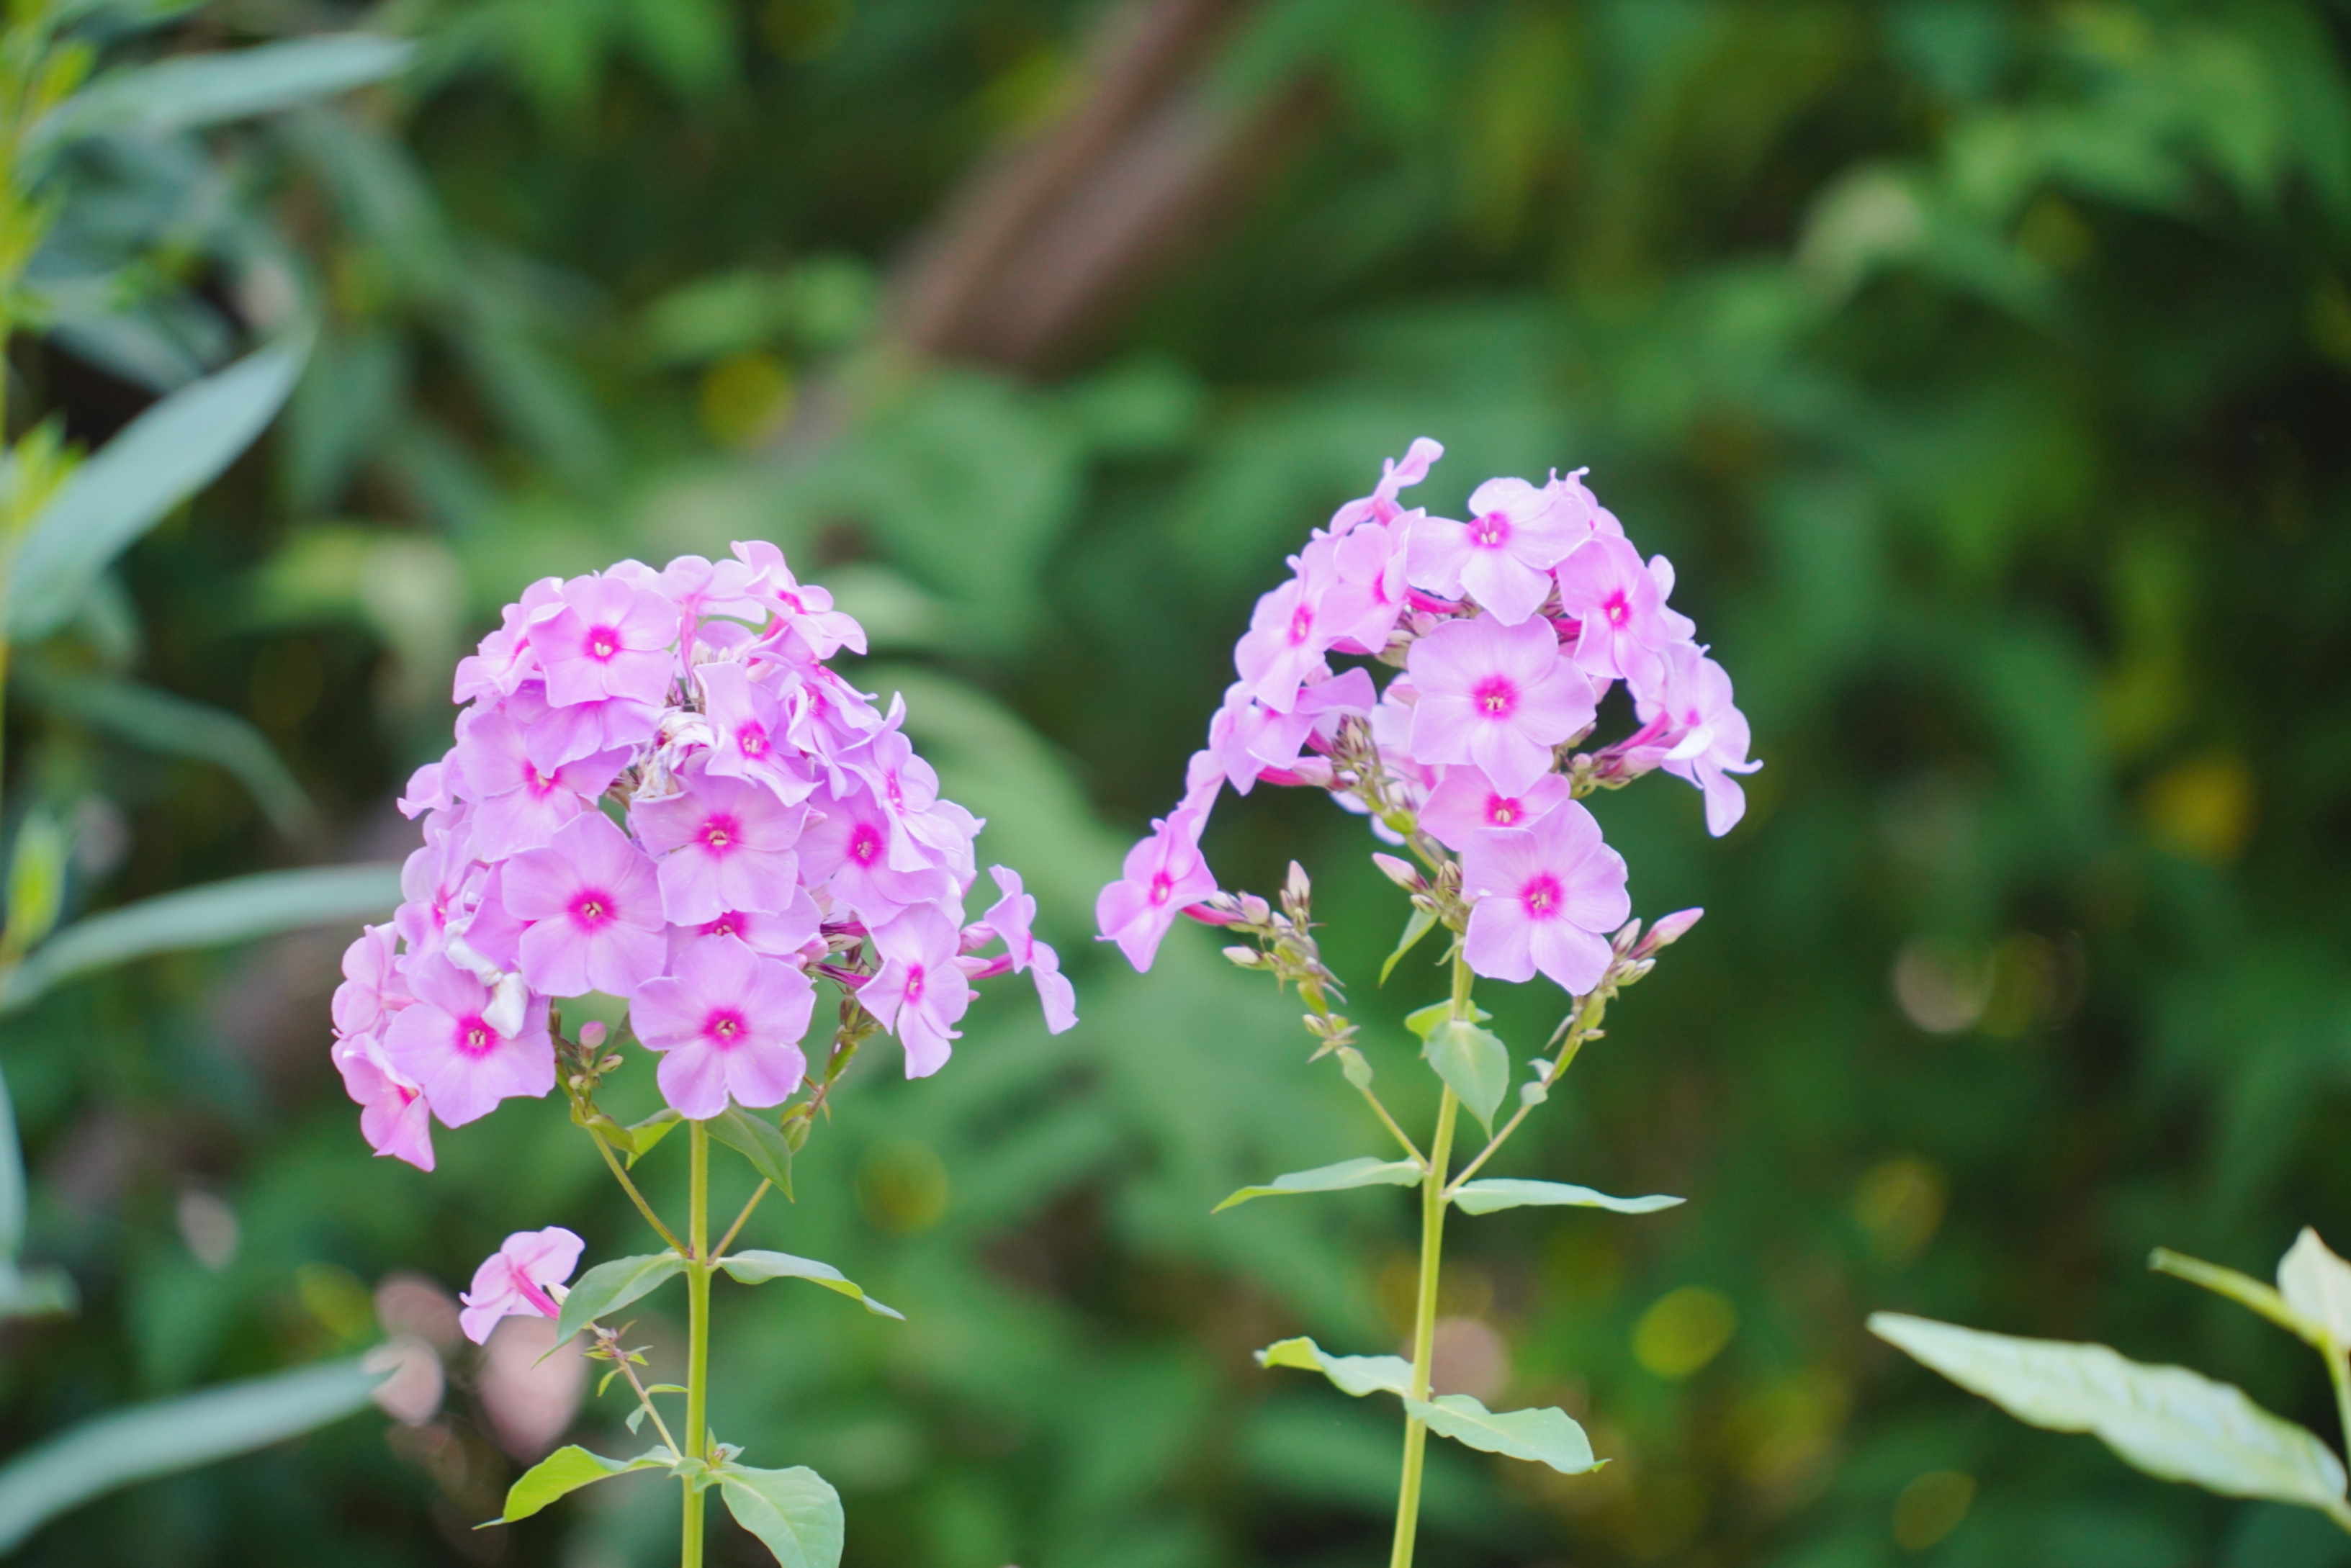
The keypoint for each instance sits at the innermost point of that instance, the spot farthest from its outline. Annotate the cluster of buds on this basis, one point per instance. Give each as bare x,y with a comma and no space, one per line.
1286,949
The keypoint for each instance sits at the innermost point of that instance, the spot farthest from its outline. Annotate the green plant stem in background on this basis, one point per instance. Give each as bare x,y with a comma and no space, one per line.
698,1354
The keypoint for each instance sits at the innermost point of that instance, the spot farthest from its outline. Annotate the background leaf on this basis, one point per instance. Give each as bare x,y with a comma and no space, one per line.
1541,1436
608,1287
205,89
1362,1171
755,1268
564,1471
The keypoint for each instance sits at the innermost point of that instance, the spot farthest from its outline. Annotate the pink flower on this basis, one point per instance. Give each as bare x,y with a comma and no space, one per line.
610,638
1502,556
1163,875
514,1280
1380,506
447,1045
920,990
1545,898
394,1117
848,850
1465,802
594,903
1283,648
723,844
806,623
428,790
1707,735
433,882
1498,696
1619,604
748,738
729,1023
1360,611
372,989
505,656
518,806
930,832
1011,917
779,934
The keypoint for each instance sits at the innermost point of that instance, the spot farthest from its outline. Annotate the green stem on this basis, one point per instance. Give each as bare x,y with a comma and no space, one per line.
736,1228
1423,1328
622,1175
697,1355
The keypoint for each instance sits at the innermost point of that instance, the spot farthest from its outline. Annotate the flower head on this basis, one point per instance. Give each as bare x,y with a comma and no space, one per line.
516,1280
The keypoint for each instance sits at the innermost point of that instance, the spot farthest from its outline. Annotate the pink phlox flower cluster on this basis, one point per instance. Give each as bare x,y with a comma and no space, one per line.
1511,628
519,1279
659,791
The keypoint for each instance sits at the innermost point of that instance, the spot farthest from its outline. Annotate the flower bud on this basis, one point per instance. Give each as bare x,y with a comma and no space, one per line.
1297,888
1627,935
591,1033
1246,957
1668,930
1402,873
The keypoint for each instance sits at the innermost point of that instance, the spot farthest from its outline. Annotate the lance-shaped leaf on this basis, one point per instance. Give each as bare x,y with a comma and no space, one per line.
608,1287
206,88
1543,1436
1506,1192
160,721
1362,1170
24,1292
1474,1063
567,1470
2317,1285
1355,1374
756,1268
261,905
757,1140
160,459
795,1512
148,1440
2169,1421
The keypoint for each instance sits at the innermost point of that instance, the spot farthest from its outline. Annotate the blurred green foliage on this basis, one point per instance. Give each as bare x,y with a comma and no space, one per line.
1974,363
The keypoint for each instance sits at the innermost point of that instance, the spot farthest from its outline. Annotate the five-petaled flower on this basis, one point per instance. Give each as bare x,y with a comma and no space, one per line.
448,1043
1546,897
728,1022
1498,696
519,1279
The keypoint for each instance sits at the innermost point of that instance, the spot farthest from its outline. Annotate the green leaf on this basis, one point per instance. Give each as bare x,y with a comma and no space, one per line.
2317,1285
756,1268
148,1440
1474,1063
1351,1063
642,1136
567,1470
1422,923
1355,1374
160,459
261,905
2171,1422
1544,1436
795,1512
2241,1288
608,1287
1505,1192
207,88
161,722
757,1141
36,880
39,1292
1425,1021
24,1292
1362,1170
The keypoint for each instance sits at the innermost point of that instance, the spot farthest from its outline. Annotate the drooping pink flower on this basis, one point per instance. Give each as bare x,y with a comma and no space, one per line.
505,657
448,1044
846,848
700,587
728,1022
920,990
747,733
1707,736
594,903
394,1117
610,638
1502,556
1544,897
1498,696
514,1280
806,623
1619,606
1163,873
372,989
1012,918
1380,506
428,790
724,843
1367,594
518,805
433,880
1465,802
930,831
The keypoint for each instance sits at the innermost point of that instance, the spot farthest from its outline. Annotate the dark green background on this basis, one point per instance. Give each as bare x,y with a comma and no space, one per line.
1982,367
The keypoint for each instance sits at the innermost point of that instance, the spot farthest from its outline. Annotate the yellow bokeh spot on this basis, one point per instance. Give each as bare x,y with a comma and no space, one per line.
1931,1507
745,397
338,1299
2203,807
1898,1205
903,1187
1683,1329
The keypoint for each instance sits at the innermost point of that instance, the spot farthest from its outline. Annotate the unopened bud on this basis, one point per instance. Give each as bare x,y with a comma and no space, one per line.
1670,929
1627,935
1402,873
609,1064
1297,888
1246,957
591,1033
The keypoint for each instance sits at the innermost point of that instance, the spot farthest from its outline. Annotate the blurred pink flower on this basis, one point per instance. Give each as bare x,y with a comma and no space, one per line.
513,1279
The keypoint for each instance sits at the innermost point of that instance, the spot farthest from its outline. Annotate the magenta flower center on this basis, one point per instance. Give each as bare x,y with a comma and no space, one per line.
913,984
604,641
752,741
892,791
1542,896
1502,811
1301,624
1617,609
475,1037
727,925
865,845
591,908
1491,531
726,1028
1496,696
720,832
1163,887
